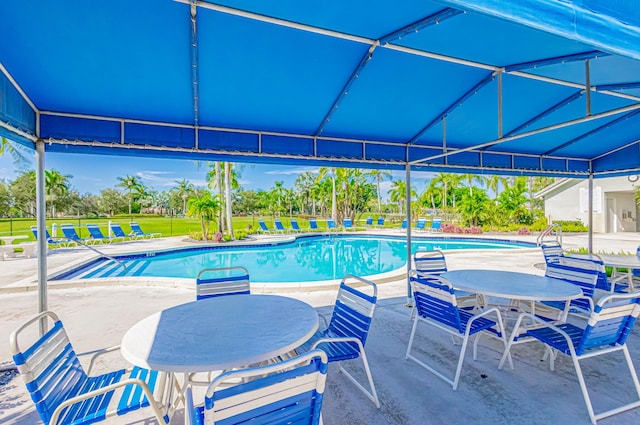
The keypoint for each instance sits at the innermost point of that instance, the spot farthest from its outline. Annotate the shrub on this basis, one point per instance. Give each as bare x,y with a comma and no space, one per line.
524,231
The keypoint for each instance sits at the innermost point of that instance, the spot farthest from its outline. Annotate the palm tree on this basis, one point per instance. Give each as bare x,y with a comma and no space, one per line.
470,178
184,189
334,205
379,175
204,206
304,184
55,185
133,186
398,193
216,176
15,150
493,184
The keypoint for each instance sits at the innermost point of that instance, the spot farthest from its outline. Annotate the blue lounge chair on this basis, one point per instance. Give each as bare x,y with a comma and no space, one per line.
263,227
97,235
136,230
69,232
436,225
437,306
313,224
294,225
369,221
222,281
117,231
420,225
51,241
65,394
279,227
404,224
347,223
331,224
290,391
346,335
606,331
381,221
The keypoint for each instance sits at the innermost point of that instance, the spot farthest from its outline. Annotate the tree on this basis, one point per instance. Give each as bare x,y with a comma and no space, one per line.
184,190
322,174
16,150
6,200
474,207
205,206
56,185
469,179
133,186
23,191
304,184
379,175
398,193
111,201
493,183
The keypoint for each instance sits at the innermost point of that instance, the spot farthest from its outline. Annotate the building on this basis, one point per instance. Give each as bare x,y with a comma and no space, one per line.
614,203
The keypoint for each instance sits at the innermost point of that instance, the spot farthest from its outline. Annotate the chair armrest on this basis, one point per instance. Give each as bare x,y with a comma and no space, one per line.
97,353
324,320
337,339
546,324
103,390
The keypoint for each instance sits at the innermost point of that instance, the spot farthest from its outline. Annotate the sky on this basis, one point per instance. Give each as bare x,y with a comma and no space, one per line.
93,173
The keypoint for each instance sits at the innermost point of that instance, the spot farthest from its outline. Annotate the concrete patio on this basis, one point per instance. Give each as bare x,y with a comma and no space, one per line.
98,316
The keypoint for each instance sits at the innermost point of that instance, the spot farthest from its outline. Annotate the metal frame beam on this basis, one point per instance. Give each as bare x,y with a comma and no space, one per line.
195,82
556,60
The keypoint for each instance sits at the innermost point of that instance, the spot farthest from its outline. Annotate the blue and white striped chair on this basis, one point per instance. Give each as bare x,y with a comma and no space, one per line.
606,331
421,224
437,306
286,392
222,281
552,252
65,394
346,334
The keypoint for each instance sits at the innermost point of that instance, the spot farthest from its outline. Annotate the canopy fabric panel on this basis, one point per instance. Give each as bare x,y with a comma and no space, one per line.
535,87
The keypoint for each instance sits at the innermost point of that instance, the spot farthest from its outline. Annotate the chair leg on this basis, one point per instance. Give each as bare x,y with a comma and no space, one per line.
372,395
413,333
583,387
460,361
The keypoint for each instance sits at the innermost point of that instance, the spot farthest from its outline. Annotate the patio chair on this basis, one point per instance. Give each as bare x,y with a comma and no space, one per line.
294,226
331,225
263,227
380,221
420,225
437,306
65,394
346,334
222,281
69,232
97,235
136,230
51,241
606,331
313,224
552,252
436,225
347,224
290,391
117,231
369,221
279,227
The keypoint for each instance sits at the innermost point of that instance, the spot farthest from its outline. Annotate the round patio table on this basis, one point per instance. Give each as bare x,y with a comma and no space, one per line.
219,333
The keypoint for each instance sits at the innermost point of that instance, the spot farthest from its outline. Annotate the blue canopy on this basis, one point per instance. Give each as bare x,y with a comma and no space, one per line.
533,87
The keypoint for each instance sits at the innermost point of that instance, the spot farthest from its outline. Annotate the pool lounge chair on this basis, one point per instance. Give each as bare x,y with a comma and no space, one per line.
136,230
436,225
97,235
51,241
331,225
117,231
294,225
404,224
279,227
347,224
380,221
369,221
263,227
313,224
420,225
64,393
69,232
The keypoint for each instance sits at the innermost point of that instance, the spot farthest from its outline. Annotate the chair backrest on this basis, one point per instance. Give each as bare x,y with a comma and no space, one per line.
135,228
429,262
611,321
94,231
278,224
602,282
285,392
34,230
422,222
347,223
580,272
117,231
404,223
435,299
222,281
313,224
69,231
353,311
294,224
436,223
552,252
49,366
331,224
263,226
369,221
380,221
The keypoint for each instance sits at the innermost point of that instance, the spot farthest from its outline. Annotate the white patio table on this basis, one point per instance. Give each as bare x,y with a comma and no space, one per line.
617,261
512,285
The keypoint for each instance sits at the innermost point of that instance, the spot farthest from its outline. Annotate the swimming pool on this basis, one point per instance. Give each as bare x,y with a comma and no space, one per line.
307,258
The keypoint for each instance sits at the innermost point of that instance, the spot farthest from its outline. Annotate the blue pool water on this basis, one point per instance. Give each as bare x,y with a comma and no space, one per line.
308,258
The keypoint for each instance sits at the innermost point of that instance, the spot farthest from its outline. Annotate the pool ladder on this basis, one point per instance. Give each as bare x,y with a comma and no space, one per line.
552,233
